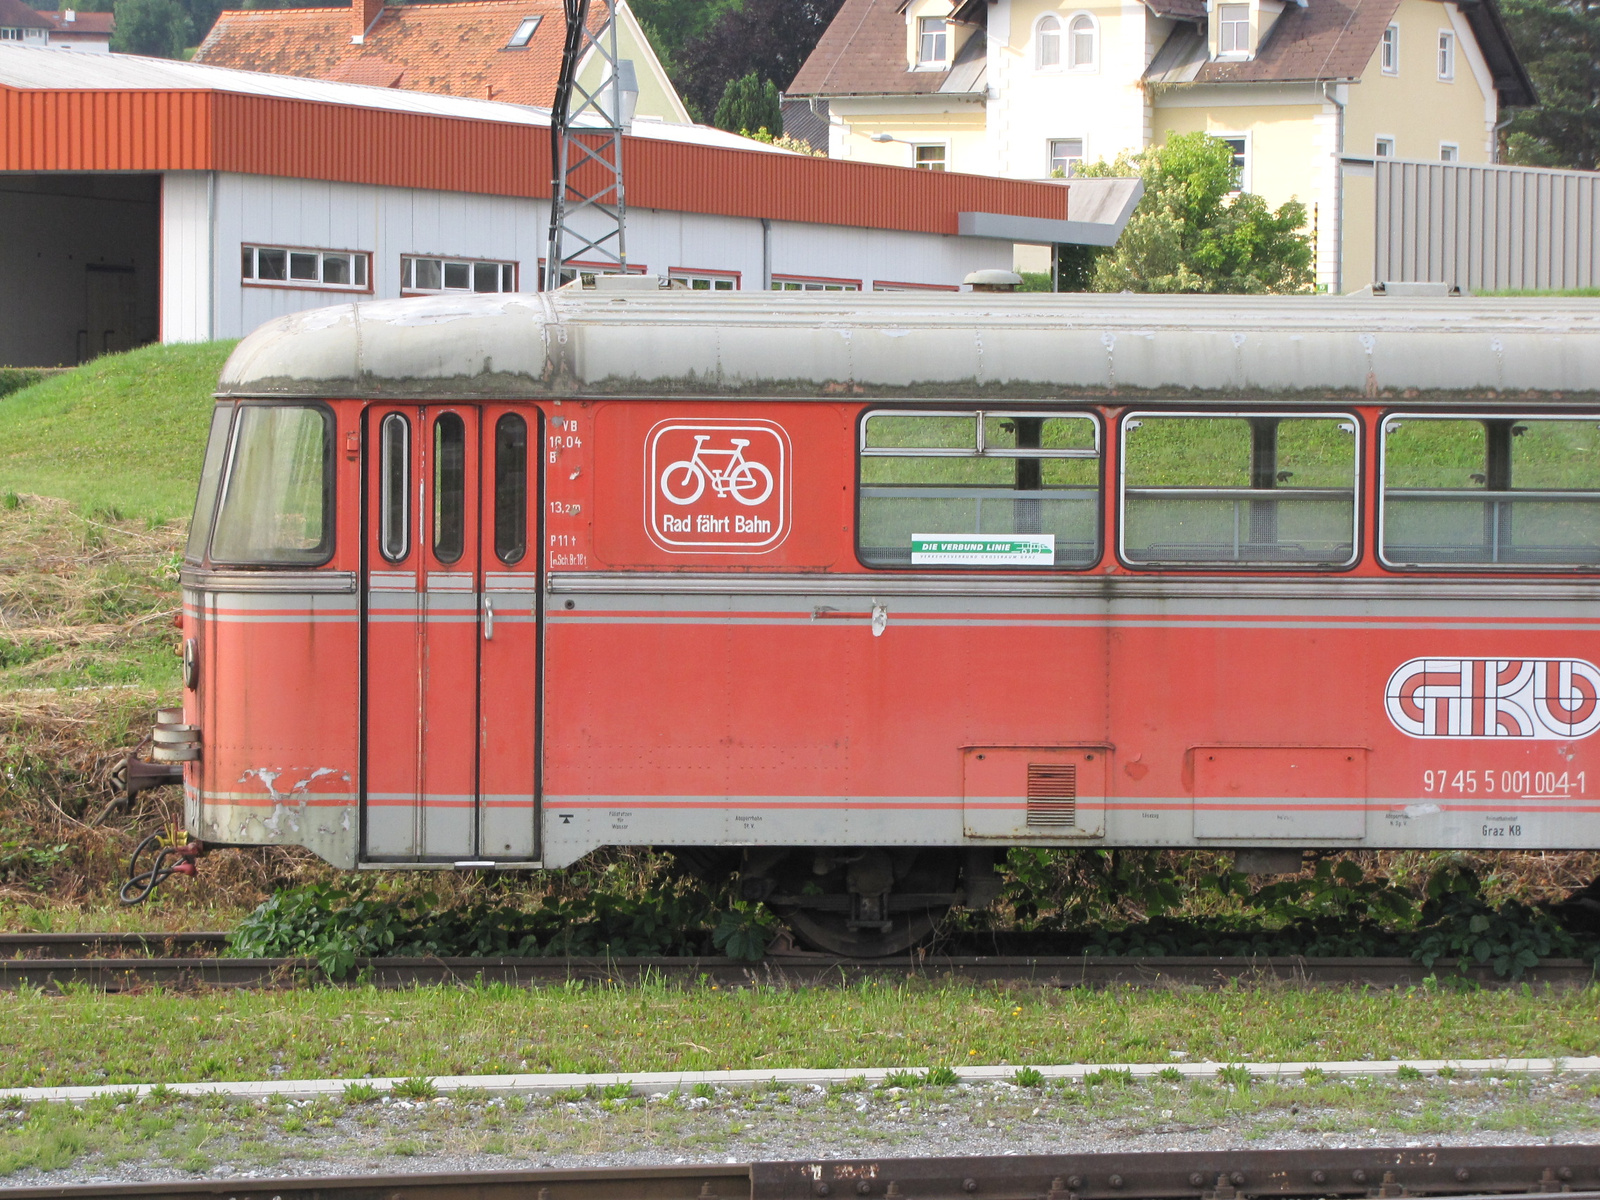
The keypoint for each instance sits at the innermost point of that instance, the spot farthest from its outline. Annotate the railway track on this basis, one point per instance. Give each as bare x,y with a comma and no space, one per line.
1460,1173
123,962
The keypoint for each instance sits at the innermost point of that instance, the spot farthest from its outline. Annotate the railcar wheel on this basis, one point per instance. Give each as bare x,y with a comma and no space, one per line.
831,933
865,902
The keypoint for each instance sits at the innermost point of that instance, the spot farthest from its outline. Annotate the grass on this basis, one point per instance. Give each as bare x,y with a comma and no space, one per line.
121,436
92,1038
121,1134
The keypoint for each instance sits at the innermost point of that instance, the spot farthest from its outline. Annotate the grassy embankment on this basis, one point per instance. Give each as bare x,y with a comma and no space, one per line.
86,1038
97,471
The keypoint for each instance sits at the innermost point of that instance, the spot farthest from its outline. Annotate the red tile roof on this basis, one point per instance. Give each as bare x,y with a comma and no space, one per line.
863,53
14,14
89,24
456,49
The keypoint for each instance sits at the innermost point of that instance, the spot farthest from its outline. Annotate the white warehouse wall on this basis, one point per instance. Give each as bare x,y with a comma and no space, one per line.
389,222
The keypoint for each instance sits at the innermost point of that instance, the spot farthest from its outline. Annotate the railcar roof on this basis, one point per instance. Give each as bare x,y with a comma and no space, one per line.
587,343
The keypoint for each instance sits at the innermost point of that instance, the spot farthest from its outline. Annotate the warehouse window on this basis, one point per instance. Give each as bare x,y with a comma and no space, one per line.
1265,489
290,266
892,285
810,283
1490,491
705,281
277,492
1009,490
425,276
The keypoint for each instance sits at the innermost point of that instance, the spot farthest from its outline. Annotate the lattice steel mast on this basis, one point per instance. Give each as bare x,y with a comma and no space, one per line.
587,209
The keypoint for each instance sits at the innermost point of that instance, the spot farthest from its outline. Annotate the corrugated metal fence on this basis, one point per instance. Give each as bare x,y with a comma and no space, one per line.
1487,228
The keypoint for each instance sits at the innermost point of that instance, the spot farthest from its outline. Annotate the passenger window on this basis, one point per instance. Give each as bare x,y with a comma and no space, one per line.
510,489
1266,490
979,489
449,487
277,502
205,503
394,468
1490,491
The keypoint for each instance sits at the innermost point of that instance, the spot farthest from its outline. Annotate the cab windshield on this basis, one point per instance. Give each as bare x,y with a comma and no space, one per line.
277,491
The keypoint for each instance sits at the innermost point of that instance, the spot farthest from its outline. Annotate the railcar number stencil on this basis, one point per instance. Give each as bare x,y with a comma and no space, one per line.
1542,699
717,486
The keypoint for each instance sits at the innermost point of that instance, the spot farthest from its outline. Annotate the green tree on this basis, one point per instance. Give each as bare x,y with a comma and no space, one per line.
1559,43
155,28
749,104
1194,231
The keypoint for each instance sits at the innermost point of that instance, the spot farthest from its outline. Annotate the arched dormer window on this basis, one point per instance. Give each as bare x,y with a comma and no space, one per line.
1047,42
1083,43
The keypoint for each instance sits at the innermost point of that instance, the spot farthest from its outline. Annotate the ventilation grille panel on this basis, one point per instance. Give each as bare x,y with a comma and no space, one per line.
1052,795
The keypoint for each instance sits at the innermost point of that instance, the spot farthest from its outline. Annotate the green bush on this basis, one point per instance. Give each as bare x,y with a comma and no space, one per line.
338,927
14,379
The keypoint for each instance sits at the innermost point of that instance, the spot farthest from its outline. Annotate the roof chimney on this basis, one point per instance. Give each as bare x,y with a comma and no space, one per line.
362,14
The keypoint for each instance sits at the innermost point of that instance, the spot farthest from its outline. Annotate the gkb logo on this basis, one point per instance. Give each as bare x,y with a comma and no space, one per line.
1544,699
717,486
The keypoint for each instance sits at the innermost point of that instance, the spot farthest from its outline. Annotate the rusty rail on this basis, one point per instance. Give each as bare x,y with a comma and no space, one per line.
132,971
1461,1173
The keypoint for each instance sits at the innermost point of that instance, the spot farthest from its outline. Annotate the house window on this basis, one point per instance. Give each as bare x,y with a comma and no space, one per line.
1384,148
705,281
456,275
10,35
813,283
524,34
288,266
1447,55
1065,156
1389,51
1239,143
1233,28
1081,48
931,35
1047,42
928,158
1449,152
588,270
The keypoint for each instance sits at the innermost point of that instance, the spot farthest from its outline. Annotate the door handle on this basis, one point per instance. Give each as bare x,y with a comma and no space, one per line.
488,618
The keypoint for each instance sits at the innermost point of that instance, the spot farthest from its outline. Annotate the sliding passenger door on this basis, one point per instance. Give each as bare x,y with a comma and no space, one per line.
509,616
451,634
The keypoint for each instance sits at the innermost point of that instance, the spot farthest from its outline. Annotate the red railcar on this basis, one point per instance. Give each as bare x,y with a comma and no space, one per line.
853,592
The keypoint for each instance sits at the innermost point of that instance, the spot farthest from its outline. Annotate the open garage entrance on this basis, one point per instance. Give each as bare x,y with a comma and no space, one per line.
79,266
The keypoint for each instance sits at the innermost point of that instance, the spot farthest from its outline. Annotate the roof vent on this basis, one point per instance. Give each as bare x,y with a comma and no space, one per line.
1412,289
627,283
1052,795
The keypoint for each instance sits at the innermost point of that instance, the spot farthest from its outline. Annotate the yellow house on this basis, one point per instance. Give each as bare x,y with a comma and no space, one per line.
1304,90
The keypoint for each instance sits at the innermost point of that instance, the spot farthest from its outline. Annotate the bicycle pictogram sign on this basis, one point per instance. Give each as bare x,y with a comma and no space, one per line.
717,487
747,482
